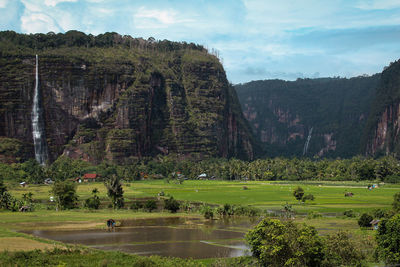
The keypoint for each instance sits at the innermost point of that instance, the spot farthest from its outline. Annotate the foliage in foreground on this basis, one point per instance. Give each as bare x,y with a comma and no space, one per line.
388,239
277,243
88,257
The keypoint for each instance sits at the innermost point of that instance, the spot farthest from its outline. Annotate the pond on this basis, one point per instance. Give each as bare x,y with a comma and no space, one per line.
175,237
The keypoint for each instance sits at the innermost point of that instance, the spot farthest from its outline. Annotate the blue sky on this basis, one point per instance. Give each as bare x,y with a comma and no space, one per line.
256,39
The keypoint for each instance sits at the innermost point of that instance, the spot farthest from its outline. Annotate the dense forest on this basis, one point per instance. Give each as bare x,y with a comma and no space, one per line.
333,111
175,169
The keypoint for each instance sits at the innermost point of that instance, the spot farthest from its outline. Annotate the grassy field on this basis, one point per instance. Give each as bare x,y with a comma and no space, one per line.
329,196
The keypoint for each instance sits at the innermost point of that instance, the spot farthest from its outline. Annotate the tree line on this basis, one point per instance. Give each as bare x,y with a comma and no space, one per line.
384,169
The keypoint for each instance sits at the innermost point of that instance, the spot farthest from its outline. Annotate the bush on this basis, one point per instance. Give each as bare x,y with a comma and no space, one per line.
365,220
313,215
349,213
379,213
150,205
298,193
65,195
308,197
388,240
207,211
94,201
276,243
137,205
171,204
342,251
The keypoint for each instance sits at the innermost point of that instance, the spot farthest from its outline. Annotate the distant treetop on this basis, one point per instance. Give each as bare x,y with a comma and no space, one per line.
74,38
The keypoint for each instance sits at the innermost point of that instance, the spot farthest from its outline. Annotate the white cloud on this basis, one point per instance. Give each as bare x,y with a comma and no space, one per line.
3,3
53,3
154,18
38,23
378,5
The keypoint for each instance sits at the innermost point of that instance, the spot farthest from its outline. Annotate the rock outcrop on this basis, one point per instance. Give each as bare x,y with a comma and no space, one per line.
124,100
382,133
282,114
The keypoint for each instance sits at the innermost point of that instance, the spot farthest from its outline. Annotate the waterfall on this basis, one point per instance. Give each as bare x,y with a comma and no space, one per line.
307,141
38,131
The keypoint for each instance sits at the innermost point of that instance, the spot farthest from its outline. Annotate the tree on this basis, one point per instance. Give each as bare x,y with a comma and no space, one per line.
150,205
365,220
115,192
308,197
342,250
396,202
171,204
65,194
298,193
94,201
276,243
388,240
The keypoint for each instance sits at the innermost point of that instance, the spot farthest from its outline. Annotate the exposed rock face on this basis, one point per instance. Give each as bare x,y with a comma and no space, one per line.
118,104
382,135
282,113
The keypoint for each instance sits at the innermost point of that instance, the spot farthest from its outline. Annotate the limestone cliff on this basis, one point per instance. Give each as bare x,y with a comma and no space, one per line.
282,114
382,134
112,97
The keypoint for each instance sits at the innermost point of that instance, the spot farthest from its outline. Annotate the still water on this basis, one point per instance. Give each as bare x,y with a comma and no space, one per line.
176,237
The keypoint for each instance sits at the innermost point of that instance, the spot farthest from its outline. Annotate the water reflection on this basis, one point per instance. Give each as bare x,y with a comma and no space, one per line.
176,237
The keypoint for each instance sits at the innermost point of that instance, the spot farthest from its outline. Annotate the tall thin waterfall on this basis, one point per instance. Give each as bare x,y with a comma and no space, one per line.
308,141
38,130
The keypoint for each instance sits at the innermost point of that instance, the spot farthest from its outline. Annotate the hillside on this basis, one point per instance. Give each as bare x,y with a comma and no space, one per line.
333,111
117,98
382,133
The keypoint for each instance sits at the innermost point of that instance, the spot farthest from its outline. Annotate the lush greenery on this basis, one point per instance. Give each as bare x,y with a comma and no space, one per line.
282,114
385,169
65,194
388,239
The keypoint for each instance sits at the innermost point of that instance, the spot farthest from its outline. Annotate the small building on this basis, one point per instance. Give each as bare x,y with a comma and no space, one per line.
375,224
87,177
202,176
90,177
48,181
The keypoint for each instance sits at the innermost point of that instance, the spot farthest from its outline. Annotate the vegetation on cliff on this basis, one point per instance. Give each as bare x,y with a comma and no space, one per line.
118,98
282,114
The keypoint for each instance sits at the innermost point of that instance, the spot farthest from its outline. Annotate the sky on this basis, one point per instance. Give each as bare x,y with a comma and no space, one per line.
256,39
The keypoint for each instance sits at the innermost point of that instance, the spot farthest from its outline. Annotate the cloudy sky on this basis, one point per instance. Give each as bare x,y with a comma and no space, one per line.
256,39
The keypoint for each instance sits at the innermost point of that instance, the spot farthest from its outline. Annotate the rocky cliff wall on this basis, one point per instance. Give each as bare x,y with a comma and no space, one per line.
382,133
282,114
119,103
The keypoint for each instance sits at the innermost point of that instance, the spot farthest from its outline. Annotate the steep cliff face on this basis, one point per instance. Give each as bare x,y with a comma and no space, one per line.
283,113
124,101
382,134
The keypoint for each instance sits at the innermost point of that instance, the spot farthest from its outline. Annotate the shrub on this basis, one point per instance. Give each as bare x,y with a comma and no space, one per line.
313,215
65,195
342,251
150,205
171,204
137,205
365,220
308,197
276,243
94,201
298,193
207,211
388,240
349,213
